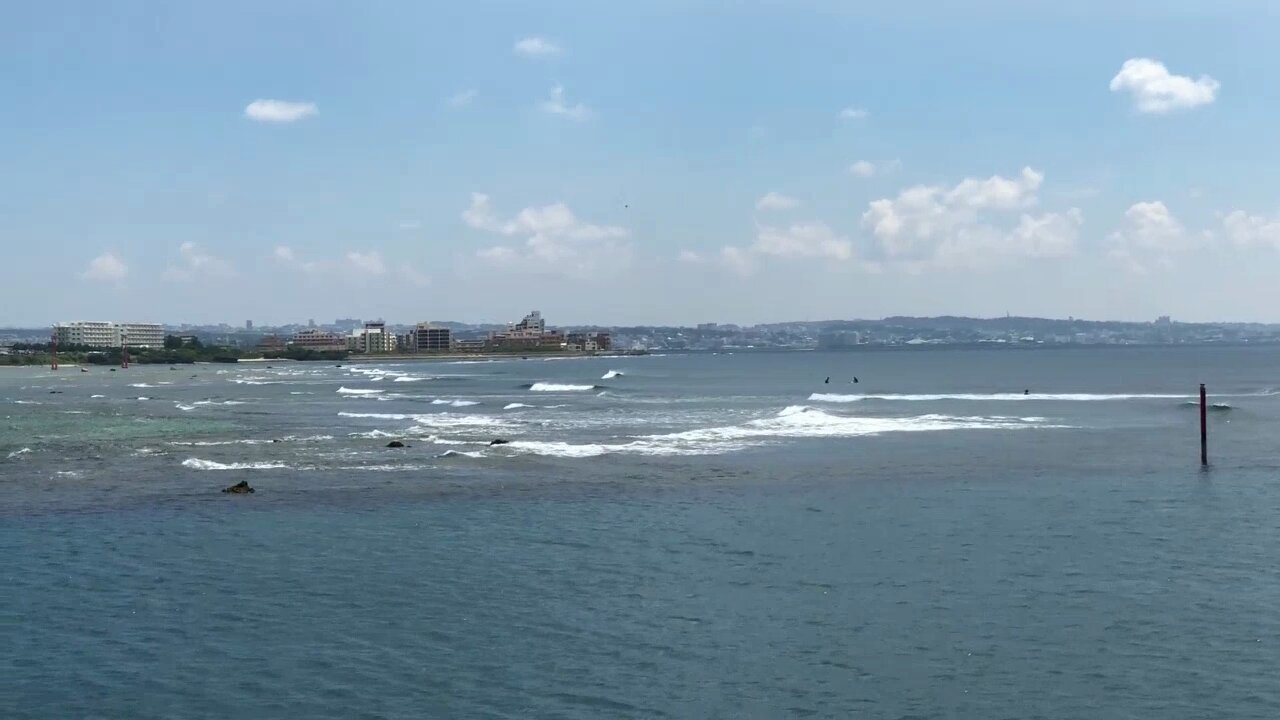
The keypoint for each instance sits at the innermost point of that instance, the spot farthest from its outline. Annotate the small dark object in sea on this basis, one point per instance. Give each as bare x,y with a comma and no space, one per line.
55,392
275,441
268,367
337,366
83,370
240,488
499,441
395,444
113,369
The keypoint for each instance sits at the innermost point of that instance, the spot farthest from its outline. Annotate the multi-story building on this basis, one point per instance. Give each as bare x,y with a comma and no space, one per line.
372,338
142,334
428,339
319,340
105,334
588,341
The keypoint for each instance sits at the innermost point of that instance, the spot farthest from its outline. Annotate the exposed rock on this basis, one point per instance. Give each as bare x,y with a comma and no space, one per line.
395,444
240,488
499,441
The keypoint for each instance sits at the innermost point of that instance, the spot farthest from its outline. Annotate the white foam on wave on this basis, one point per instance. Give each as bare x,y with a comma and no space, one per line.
199,464
454,403
797,421
436,420
372,434
184,408
460,453
26,402
559,387
357,391
142,398
219,402
17,453
141,385
982,397
97,396
409,378
611,375
516,406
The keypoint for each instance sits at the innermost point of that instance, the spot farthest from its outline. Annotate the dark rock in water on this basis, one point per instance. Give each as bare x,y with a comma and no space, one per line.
499,441
395,444
240,488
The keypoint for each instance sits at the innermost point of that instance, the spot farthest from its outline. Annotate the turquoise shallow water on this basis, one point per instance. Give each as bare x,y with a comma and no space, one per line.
669,549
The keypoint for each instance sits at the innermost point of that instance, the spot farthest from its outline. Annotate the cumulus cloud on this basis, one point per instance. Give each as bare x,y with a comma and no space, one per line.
106,268
195,263
1251,231
555,104
555,239
367,263
285,255
776,201
799,240
535,47
853,113
462,99
1155,90
690,257
970,224
279,111
1148,236
862,168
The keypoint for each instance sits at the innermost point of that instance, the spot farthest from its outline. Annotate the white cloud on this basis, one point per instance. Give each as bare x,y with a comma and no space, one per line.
196,263
802,240
690,257
1155,90
776,201
1149,235
1248,231
279,111
107,268
971,223
285,255
369,263
862,168
737,260
535,47
462,99
555,238
853,113
556,105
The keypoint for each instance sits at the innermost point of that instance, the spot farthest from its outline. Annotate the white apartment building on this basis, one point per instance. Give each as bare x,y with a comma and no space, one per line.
372,338
106,334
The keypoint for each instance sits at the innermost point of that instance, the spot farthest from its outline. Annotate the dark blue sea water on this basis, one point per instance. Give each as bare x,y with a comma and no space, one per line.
696,537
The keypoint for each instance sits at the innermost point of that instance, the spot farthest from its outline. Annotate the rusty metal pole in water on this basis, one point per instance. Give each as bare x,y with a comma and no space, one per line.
1204,428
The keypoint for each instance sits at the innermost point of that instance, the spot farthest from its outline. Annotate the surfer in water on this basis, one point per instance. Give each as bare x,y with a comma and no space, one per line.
855,379
827,381
1026,392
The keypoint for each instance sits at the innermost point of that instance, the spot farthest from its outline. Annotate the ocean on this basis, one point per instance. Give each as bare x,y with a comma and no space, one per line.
959,534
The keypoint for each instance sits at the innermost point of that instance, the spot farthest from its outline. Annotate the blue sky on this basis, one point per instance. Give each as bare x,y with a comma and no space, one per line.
637,163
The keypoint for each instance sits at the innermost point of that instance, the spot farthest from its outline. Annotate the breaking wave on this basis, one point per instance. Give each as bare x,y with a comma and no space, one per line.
797,421
357,391
199,464
17,453
980,397
558,387
516,406
611,375
454,403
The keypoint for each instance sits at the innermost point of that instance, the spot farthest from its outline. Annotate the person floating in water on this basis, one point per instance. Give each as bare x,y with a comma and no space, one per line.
1026,392
827,381
855,379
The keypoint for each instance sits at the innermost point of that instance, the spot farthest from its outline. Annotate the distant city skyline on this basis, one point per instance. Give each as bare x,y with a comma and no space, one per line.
663,163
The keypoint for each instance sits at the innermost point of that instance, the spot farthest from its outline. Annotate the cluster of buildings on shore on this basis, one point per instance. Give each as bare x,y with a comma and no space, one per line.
108,334
373,337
